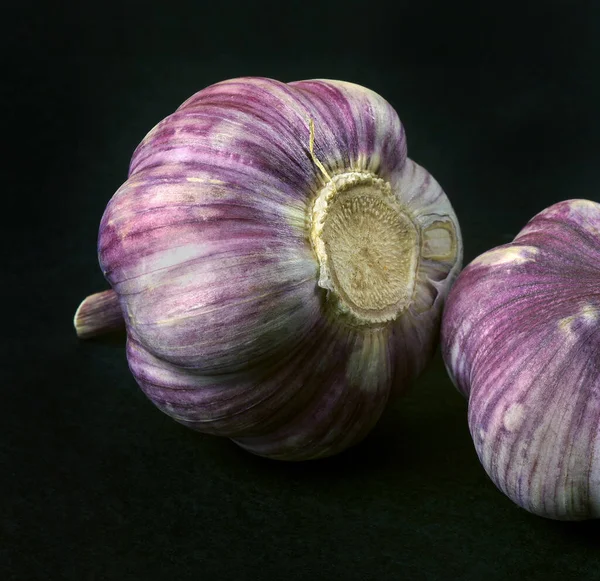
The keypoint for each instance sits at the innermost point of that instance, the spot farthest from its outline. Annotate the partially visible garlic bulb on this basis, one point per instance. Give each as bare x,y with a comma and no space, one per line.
521,339
279,263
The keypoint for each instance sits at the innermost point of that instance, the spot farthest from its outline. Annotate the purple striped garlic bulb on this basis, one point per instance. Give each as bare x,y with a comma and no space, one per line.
521,340
279,264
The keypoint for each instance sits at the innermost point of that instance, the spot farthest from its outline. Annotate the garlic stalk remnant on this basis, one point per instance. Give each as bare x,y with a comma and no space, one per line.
521,339
279,263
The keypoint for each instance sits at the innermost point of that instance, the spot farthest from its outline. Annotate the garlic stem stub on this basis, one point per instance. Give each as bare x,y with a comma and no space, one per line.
280,264
521,340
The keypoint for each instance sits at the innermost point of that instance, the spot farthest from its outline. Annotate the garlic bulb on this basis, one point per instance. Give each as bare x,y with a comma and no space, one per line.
520,338
280,265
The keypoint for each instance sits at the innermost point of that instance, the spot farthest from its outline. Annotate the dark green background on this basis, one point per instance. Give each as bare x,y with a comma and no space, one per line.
500,103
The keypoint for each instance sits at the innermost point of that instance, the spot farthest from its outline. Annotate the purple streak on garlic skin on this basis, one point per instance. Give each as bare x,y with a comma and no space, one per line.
521,339
308,405
208,246
319,399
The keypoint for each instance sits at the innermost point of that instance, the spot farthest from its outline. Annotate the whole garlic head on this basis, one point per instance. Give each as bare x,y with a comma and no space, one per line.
520,338
280,264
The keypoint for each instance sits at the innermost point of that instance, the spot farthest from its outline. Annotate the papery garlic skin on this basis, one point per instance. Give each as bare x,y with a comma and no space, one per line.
521,340
234,327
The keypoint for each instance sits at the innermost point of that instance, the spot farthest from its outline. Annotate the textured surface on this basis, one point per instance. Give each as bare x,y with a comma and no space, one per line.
208,246
521,338
97,484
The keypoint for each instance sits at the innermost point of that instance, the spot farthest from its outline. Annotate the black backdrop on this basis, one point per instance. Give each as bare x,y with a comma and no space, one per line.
500,104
